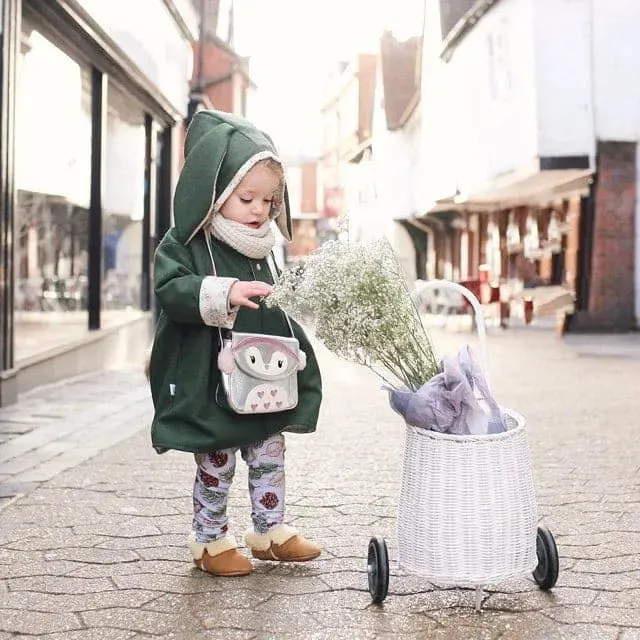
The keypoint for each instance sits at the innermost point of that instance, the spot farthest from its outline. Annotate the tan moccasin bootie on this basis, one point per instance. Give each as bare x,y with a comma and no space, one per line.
220,558
283,544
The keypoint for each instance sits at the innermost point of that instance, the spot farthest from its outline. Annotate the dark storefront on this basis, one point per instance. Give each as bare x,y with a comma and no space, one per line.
87,158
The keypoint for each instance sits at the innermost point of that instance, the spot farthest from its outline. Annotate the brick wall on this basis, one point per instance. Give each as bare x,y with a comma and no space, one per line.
400,79
221,97
610,272
573,243
217,64
215,60
611,296
309,196
546,261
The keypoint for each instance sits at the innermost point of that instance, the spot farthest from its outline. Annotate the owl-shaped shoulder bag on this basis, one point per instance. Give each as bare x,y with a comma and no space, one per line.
259,372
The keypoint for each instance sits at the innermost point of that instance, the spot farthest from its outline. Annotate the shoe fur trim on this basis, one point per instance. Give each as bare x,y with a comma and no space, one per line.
214,548
262,541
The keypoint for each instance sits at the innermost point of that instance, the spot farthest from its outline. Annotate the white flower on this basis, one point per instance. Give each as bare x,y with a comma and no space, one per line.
362,309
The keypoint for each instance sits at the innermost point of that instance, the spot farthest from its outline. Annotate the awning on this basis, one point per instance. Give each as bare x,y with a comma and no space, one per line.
537,188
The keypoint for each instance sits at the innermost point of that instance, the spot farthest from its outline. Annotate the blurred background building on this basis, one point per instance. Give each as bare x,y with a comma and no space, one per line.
499,149
94,98
493,142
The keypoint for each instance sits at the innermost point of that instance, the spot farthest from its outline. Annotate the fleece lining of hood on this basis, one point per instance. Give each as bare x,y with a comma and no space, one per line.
220,149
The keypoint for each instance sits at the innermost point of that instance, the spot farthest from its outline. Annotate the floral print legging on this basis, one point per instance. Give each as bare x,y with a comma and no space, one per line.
214,476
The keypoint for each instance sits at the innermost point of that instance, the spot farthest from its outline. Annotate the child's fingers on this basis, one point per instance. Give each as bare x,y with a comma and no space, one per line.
241,293
250,304
261,289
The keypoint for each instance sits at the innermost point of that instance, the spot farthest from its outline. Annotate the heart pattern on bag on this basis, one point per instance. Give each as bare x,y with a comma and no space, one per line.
267,398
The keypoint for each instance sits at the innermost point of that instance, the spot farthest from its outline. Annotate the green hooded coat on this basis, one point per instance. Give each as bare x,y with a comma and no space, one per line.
191,413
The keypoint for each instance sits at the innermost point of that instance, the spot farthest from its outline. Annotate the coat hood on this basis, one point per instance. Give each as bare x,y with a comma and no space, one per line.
220,149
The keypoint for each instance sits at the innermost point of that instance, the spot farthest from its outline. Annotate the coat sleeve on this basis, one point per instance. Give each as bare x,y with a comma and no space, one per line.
186,296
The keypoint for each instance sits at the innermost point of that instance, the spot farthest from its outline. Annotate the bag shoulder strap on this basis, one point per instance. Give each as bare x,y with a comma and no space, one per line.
275,276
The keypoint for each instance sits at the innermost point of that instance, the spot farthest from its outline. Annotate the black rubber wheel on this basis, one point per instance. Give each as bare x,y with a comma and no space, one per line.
546,573
378,569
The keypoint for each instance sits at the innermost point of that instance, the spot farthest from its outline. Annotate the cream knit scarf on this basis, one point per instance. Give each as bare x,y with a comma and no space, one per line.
253,243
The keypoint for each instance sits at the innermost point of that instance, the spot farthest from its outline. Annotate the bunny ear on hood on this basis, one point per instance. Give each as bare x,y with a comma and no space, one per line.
220,149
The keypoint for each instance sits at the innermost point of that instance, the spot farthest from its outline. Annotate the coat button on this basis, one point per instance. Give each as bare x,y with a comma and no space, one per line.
258,266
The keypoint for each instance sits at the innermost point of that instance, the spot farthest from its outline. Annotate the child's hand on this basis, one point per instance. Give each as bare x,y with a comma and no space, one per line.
241,291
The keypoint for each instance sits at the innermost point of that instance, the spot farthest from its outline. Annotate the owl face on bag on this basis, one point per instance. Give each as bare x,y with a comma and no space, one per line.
265,359
261,357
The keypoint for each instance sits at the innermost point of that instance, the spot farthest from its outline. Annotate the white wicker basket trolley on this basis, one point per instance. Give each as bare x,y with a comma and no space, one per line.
467,513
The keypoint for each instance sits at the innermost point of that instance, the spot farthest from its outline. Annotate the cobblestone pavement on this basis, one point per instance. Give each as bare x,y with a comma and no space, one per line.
56,427
97,550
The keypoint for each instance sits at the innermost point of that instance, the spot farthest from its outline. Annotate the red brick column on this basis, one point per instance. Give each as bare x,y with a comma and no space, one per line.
611,290
503,223
573,242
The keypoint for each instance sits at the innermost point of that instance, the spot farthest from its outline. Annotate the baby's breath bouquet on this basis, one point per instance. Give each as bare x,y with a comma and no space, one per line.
358,299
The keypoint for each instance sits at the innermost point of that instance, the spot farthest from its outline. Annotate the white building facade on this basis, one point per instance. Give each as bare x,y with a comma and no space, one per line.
530,107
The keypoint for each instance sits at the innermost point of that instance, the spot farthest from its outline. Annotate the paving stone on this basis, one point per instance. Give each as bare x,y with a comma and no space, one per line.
128,529
33,458
284,584
93,556
607,566
273,621
32,569
94,633
613,582
177,554
335,634
52,540
619,616
152,622
170,583
229,634
13,488
138,507
9,427
538,600
59,584
629,598
59,603
36,623
233,598
43,516
376,621
85,570
160,541
107,540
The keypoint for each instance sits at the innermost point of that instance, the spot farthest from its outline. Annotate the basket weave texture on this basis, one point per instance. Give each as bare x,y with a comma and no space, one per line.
467,510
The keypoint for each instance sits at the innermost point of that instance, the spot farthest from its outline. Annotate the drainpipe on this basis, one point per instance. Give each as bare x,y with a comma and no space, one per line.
195,96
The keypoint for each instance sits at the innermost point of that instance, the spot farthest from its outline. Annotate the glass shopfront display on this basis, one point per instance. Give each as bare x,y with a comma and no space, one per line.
88,164
53,180
53,204
123,204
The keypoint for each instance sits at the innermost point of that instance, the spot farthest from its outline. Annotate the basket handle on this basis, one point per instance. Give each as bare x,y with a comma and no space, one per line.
477,309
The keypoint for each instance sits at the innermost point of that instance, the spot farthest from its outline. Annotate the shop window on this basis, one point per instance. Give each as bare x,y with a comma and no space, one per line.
53,163
123,204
